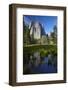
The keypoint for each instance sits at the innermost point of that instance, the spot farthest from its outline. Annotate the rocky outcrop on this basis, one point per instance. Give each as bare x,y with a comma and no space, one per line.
36,30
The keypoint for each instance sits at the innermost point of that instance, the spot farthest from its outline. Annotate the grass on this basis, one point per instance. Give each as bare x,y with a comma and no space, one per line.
43,49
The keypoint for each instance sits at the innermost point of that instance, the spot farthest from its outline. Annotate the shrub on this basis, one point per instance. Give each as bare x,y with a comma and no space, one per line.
43,52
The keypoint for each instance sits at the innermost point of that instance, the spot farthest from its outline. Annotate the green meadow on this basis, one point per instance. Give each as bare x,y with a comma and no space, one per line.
43,49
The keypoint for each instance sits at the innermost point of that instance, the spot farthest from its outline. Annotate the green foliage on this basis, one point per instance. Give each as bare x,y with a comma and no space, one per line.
43,52
53,37
26,36
43,49
45,39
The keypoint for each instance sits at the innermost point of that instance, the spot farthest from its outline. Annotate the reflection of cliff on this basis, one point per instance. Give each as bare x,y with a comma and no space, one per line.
34,34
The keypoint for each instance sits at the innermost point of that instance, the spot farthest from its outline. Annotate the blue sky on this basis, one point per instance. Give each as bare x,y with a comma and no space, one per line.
48,22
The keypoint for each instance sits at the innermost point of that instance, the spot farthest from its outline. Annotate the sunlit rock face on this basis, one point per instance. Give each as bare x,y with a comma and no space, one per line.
36,30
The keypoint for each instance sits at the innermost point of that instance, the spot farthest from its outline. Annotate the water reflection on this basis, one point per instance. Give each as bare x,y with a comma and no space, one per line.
35,64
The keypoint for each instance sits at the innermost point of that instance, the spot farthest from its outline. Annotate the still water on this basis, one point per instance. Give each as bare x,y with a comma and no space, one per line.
35,64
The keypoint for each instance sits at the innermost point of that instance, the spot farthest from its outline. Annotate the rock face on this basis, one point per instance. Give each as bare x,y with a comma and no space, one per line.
36,30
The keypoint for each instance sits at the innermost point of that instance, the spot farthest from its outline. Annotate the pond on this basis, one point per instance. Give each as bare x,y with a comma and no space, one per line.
36,63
